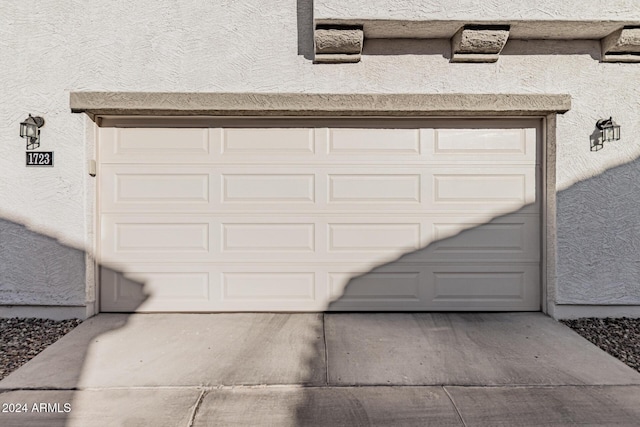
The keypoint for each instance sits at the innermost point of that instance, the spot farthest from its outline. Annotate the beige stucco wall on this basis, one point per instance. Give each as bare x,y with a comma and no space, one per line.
50,48
568,10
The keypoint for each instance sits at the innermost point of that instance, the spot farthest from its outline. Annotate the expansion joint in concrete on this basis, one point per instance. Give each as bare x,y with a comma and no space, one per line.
326,349
196,407
454,405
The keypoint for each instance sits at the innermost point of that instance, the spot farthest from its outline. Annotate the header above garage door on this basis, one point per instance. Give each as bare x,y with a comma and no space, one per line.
97,104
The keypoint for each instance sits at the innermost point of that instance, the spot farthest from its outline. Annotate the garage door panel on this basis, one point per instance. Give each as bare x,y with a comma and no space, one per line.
272,286
356,146
156,188
175,285
489,146
166,237
370,142
393,285
469,287
492,285
264,144
480,187
268,188
157,145
157,238
376,237
268,286
383,188
268,237
164,188
469,238
160,287
495,189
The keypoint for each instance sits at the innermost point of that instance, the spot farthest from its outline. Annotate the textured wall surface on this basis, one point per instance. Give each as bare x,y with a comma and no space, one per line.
49,48
481,10
599,238
38,270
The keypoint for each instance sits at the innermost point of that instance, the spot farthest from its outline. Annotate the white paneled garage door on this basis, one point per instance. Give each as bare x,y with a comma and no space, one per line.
311,216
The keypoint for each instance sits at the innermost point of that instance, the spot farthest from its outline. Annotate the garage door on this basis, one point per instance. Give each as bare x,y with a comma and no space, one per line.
310,216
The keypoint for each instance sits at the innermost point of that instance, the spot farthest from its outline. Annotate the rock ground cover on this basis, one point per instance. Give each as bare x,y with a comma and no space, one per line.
620,337
22,339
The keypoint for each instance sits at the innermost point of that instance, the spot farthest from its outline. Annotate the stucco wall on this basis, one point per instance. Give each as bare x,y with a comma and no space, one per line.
49,48
38,270
568,10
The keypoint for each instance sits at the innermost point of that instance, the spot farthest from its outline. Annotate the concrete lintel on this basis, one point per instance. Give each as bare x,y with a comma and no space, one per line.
445,29
307,104
335,45
478,43
622,45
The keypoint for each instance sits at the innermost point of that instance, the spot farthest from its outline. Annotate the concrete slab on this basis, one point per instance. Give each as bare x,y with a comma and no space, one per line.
150,369
315,406
131,408
558,406
464,349
146,350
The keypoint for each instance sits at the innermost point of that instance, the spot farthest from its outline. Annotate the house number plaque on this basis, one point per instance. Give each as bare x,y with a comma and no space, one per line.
39,158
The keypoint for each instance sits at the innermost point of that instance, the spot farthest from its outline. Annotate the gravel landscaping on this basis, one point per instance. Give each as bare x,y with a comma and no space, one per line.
619,337
23,339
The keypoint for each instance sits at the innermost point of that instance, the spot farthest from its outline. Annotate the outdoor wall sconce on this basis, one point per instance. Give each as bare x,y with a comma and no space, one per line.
606,130
30,129
609,130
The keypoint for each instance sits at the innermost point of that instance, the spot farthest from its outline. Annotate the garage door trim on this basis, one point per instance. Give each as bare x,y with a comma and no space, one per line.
423,124
114,108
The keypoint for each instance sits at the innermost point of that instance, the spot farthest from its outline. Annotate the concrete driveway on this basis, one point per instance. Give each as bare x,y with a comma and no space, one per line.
441,369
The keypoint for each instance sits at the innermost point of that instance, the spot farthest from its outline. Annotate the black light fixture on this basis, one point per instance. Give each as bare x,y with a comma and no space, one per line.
609,130
30,129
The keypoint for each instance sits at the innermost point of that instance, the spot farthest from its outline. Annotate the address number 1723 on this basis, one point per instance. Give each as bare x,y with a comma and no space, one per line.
39,158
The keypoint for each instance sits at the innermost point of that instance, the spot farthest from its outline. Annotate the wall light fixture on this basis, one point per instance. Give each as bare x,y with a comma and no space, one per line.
30,129
609,130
